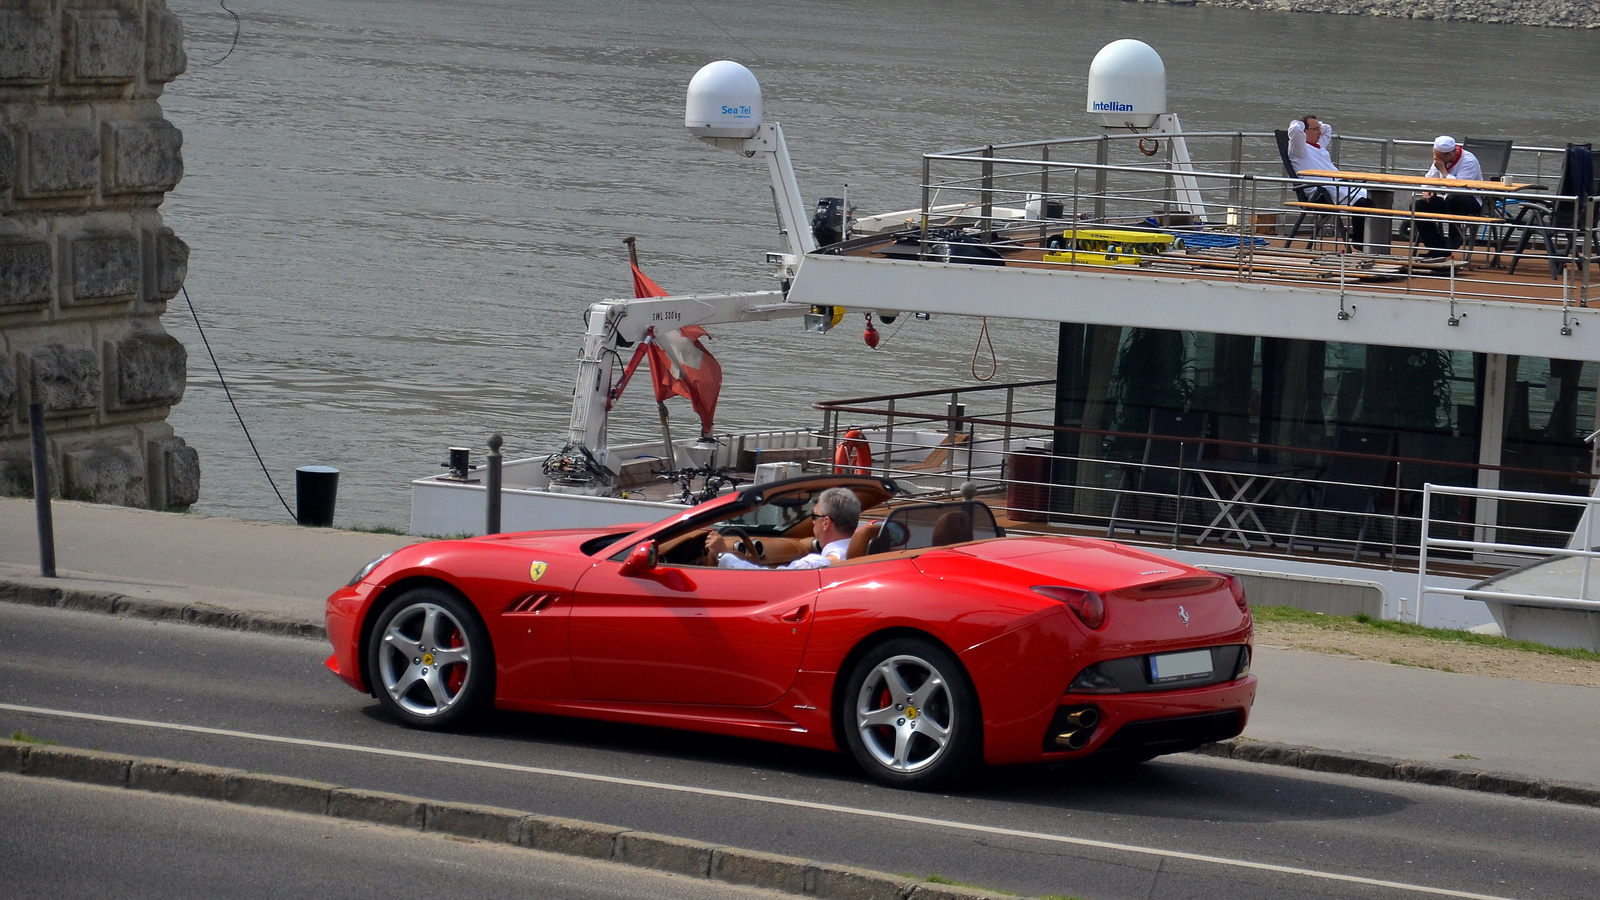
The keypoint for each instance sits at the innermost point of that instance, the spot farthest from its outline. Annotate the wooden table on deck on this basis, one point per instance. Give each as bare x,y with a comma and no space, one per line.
1406,181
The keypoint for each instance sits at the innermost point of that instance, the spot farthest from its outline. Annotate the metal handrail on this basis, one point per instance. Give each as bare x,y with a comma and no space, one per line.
1586,551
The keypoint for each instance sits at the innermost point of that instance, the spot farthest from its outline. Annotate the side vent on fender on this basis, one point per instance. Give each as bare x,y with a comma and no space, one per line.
533,603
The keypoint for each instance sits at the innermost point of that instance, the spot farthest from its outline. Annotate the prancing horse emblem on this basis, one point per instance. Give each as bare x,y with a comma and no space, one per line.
1184,615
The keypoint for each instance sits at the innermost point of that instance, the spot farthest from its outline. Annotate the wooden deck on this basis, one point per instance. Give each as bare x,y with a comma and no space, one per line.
1476,275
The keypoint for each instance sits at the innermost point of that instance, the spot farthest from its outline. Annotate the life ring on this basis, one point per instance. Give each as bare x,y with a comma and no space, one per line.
853,457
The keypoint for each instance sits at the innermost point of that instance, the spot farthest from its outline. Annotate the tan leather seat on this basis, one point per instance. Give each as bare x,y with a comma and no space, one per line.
954,527
863,536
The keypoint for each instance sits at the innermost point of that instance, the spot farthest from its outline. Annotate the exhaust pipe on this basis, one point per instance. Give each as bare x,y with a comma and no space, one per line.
1073,740
1088,717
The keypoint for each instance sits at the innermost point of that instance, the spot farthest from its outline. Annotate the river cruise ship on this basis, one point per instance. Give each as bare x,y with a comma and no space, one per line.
1352,425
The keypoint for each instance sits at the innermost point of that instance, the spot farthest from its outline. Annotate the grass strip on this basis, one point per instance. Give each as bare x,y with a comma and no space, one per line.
1361,623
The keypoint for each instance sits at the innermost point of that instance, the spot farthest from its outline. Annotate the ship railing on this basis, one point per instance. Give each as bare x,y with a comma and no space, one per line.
1221,495
1230,203
1446,535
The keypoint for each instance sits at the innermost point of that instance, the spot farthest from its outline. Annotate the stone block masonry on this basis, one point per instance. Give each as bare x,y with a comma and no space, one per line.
1544,13
86,265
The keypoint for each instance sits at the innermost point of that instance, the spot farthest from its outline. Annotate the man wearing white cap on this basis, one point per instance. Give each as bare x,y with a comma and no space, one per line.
1452,161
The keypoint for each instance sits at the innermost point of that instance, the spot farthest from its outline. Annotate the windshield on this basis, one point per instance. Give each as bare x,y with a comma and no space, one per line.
774,517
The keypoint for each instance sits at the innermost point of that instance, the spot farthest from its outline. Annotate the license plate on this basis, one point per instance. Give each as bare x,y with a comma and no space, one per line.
1180,666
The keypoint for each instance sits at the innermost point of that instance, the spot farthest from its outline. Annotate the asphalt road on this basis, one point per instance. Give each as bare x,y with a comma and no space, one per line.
187,848
1180,827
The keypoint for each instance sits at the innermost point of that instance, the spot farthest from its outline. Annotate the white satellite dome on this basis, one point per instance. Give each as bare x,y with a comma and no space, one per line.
724,102
1127,85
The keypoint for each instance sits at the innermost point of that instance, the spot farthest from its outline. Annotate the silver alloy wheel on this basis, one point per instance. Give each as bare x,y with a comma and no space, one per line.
905,714
425,659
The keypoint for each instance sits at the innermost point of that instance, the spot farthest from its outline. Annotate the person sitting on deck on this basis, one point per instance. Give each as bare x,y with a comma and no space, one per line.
1310,143
833,522
1452,161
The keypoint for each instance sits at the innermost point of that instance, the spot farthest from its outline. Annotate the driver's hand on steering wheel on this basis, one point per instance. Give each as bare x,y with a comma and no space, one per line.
716,545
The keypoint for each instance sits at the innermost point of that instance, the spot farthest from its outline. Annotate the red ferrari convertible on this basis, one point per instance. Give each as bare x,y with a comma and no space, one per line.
938,643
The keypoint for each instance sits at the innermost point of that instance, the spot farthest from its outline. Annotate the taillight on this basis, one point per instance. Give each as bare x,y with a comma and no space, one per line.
1236,586
1088,606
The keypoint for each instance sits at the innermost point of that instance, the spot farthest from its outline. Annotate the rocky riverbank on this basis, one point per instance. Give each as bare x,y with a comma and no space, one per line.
1545,13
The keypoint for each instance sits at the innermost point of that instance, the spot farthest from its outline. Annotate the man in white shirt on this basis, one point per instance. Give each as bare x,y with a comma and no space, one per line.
1452,161
1310,147
833,522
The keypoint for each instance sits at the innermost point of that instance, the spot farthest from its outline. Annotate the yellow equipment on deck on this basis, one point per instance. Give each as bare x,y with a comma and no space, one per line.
1108,246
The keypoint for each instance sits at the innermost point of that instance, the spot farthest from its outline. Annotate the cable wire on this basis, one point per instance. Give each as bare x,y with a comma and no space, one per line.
224,5
229,394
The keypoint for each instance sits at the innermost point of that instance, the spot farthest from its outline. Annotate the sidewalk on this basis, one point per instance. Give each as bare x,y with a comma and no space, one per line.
282,573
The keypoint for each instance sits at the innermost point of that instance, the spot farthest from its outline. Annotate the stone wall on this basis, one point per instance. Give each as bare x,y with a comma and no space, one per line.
1550,13
86,266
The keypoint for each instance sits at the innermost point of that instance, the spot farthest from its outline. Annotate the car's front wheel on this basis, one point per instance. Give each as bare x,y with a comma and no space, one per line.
429,660
910,715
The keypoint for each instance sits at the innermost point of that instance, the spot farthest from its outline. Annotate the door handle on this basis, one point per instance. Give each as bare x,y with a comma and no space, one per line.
796,615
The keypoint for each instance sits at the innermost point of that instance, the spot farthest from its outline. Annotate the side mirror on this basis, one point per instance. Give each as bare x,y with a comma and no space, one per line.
641,560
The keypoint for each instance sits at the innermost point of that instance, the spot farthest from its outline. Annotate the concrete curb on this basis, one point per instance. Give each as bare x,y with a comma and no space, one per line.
114,604
1389,768
552,834
1385,768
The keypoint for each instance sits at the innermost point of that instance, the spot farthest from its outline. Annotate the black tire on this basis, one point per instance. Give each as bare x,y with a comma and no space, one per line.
910,716
429,660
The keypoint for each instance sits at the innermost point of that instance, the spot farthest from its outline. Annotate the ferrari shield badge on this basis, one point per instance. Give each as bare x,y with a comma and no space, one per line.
536,571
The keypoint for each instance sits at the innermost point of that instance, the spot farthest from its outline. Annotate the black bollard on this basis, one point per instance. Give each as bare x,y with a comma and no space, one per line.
41,492
315,489
492,504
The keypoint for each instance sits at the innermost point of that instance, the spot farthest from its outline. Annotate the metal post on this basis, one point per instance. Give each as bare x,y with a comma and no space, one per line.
1005,442
888,442
988,194
1422,553
1177,496
1588,545
1102,155
922,249
666,437
492,501
1394,520
1588,253
41,491
1235,188
1044,195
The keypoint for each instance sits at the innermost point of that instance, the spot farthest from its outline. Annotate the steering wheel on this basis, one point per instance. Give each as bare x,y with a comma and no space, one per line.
743,542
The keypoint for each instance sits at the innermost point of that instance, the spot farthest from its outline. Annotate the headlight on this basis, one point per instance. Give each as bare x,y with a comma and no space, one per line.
367,570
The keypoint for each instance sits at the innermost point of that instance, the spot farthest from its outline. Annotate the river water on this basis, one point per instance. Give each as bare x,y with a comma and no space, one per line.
398,209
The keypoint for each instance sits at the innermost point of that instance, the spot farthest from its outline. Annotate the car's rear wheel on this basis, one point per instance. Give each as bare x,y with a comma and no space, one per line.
910,715
429,660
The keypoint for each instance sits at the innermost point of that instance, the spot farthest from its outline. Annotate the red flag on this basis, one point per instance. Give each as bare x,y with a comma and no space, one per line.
679,364
643,286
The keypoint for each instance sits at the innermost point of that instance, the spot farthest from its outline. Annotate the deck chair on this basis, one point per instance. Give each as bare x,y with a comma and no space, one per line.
1557,222
1494,157
1305,192
1348,489
1173,444
917,526
940,455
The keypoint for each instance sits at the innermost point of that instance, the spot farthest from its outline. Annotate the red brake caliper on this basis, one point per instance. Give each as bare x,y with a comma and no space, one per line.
458,672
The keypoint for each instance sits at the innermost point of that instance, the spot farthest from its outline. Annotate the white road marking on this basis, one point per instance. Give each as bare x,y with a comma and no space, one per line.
774,801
